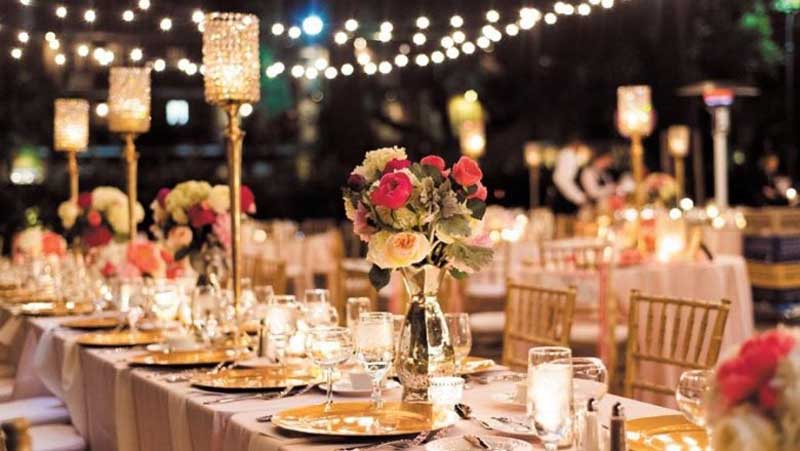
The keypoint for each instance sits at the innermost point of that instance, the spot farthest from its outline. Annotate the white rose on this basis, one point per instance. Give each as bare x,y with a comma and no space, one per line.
29,242
68,212
398,250
180,216
744,429
349,209
375,161
219,199
117,216
103,197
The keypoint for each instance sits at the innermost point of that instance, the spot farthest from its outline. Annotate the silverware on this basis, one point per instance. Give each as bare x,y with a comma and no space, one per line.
484,380
474,440
264,419
396,444
513,422
465,412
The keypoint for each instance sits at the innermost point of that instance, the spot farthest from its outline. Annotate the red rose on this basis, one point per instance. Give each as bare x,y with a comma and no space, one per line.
174,271
97,236
85,200
435,161
356,181
248,200
143,255
393,191
201,215
162,197
94,218
109,270
466,172
480,193
396,165
767,398
167,257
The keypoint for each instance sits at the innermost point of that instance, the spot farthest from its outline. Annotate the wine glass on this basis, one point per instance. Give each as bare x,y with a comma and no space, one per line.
460,337
355,307
205,312
328,347
692,395
317,309
549,403
589,380
165,304
281,318
375,349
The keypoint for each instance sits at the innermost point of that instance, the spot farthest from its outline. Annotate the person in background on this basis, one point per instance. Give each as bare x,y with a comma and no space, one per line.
568,196
596,179
767,181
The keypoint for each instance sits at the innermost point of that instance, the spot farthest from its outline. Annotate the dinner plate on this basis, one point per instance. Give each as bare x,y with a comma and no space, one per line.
184,358
654,433
258,379
496,443
55,308
92,323
362,419
119,338
345,388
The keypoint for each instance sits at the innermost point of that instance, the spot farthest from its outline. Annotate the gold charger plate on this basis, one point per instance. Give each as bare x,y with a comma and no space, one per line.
361,419
472,365
92,323
119,338
185,358
258,378
56,308
664,432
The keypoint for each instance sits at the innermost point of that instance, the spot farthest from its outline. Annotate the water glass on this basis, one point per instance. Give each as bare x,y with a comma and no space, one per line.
318,310
375,348
281,317
446,391
460,337
549,403
589,380
328,347
355,307
264,295
206,312
692,395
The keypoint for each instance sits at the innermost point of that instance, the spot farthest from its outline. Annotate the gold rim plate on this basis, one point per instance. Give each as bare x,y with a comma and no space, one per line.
119,338
361,419
269,378
185,358
56,308
472,365
658,433
92,323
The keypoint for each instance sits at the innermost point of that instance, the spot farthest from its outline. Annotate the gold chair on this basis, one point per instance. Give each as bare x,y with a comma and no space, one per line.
535,317
15,435
672,337
266,271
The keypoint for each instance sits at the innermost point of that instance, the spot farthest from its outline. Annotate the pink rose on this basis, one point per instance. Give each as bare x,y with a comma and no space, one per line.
480,193
201,215
248,200
94,218
162,197
396,165
109,270
437,162
361,226
179,237
222,229
393,191
466,172
145,256
53,244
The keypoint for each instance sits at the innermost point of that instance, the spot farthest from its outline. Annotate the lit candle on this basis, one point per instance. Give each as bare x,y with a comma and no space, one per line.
129,100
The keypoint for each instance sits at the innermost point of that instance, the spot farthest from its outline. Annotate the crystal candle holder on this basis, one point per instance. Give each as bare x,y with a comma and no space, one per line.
71,125
230,58
129,100
634,111
678,140
446,391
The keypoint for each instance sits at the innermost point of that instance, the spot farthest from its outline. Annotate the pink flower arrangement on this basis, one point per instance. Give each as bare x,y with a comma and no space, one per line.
35,242
98,216
142,258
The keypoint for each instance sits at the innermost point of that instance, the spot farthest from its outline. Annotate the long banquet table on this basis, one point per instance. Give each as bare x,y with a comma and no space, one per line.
117,407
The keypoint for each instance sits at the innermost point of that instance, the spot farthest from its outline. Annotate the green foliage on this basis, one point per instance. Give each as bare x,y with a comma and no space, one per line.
474,257
456,226
757,22
378,277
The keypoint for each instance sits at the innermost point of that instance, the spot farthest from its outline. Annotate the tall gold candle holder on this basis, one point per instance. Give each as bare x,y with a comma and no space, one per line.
232,76
129,115
678,144
533,159
71,135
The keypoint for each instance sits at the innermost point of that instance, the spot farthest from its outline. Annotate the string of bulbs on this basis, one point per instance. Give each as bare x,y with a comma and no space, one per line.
454,43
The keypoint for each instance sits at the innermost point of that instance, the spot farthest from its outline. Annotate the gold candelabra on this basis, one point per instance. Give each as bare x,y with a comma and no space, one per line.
231,78
71,135
129,115
678,144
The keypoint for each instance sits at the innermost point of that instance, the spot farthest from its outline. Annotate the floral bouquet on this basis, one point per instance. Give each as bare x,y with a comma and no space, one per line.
142,258
662,189
194,217
755,396
416,214
98,217
35,242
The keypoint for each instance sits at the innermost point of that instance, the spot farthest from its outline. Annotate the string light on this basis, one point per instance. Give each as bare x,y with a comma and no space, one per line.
401,60
456,21
418,39
136,54
607,4
295,32
459,36
360,43
311,73
370,68
331,73
61,11
312,25
101,109
90,15
246,109
16,53
385,67
60,59
492,16
165,24
584,9
550,18
340,38
437,57
277,29
83,50
128,15
298,71
159,65
385,36
25,2
23,37
447,42
191,69
347,69
54,44
321,63
468,48
484,42
351,25
452,53
512,29
144,5
363,58
198,16
49,36
423,22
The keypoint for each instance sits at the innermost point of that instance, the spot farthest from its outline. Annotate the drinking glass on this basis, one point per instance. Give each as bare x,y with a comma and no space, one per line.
460,337
355,307
589,380
692,396
375,349
281,318
446,391
318,310
206,301
328,347
247,300
264,294
165,303
549,403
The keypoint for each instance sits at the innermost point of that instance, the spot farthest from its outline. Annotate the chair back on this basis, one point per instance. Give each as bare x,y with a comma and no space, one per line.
671,332
535,317
15,435
267,271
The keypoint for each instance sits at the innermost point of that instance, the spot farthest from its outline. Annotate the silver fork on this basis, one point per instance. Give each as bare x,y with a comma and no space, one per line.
396,444
236,398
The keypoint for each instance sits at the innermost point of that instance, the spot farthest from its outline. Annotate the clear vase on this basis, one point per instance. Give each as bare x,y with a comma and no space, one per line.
424,350
211,266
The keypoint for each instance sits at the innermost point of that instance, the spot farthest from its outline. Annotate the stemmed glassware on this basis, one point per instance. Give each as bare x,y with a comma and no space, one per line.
328,347
549,403
692,395
460,337
375,349
282,315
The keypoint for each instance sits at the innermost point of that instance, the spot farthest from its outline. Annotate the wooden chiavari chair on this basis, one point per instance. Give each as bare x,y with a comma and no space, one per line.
19,434
671,336
15,435
535,317
266,271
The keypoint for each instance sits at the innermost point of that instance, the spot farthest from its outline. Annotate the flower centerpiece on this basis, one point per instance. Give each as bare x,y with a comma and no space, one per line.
424,220
98,217
755,396
35,242
193,220
141,258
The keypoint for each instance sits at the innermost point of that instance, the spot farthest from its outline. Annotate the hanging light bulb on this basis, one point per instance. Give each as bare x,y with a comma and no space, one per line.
492,16
83,50
347,69
456,21
90,15
197,16
159,65
165,24
418,39
277,28
23,37
128,15
340,38
401,60
421,60
351,25
144,5
61,11
60,59
423,22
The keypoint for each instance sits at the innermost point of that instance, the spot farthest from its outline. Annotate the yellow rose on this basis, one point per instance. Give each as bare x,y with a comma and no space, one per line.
68,212
219,199
398,250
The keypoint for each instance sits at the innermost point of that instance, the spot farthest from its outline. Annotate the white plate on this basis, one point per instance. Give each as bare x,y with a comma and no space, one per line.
497,444
344,388
508,399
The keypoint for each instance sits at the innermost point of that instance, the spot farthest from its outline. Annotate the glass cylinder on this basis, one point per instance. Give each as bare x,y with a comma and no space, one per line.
678,140
230,58
71,125
635,115
129,99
